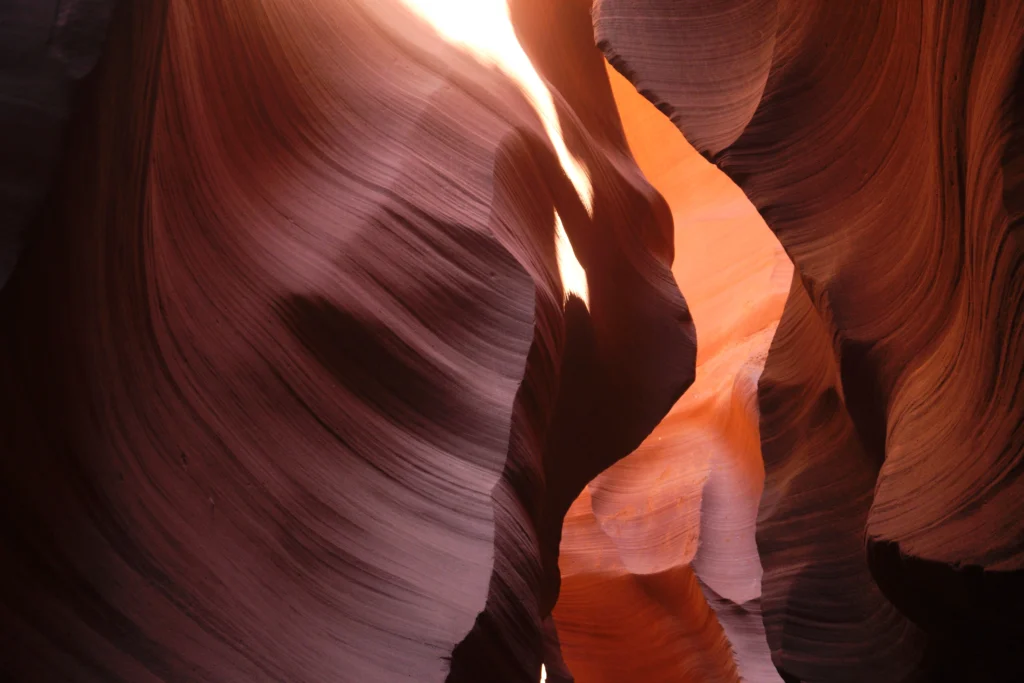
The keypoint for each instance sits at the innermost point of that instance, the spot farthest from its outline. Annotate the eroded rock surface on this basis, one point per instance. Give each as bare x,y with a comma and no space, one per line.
295,392
665,537
884,152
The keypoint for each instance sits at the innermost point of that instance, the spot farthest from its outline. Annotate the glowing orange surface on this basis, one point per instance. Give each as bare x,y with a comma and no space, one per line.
633,536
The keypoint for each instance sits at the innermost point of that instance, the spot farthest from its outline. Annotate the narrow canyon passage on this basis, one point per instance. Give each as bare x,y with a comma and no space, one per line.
682,508
496,341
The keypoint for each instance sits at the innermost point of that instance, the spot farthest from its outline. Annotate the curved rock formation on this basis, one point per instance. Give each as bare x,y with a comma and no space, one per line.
670,528
325,361
884,152
616,625
296,391
625,366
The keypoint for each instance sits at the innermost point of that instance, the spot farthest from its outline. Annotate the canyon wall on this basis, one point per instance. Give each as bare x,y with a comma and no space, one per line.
296,384
881,143
296,390
661,579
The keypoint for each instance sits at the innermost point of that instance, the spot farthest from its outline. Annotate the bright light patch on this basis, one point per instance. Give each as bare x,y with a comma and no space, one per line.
543,674
484,28
574,278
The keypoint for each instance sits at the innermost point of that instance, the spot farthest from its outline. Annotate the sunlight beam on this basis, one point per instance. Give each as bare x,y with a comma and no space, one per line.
484,28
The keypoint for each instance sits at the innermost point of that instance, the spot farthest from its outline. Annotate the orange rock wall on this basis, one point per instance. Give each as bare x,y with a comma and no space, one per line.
684,504
880,141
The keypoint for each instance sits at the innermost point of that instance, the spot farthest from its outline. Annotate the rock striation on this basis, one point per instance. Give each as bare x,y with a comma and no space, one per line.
296,390
336,348
881,143
661,578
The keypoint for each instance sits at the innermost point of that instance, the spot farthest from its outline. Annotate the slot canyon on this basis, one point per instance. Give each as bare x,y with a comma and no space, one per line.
473,341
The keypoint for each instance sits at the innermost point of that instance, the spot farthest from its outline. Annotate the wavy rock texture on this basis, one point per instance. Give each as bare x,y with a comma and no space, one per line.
669,529
885,154
626,366
294,393
46,48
